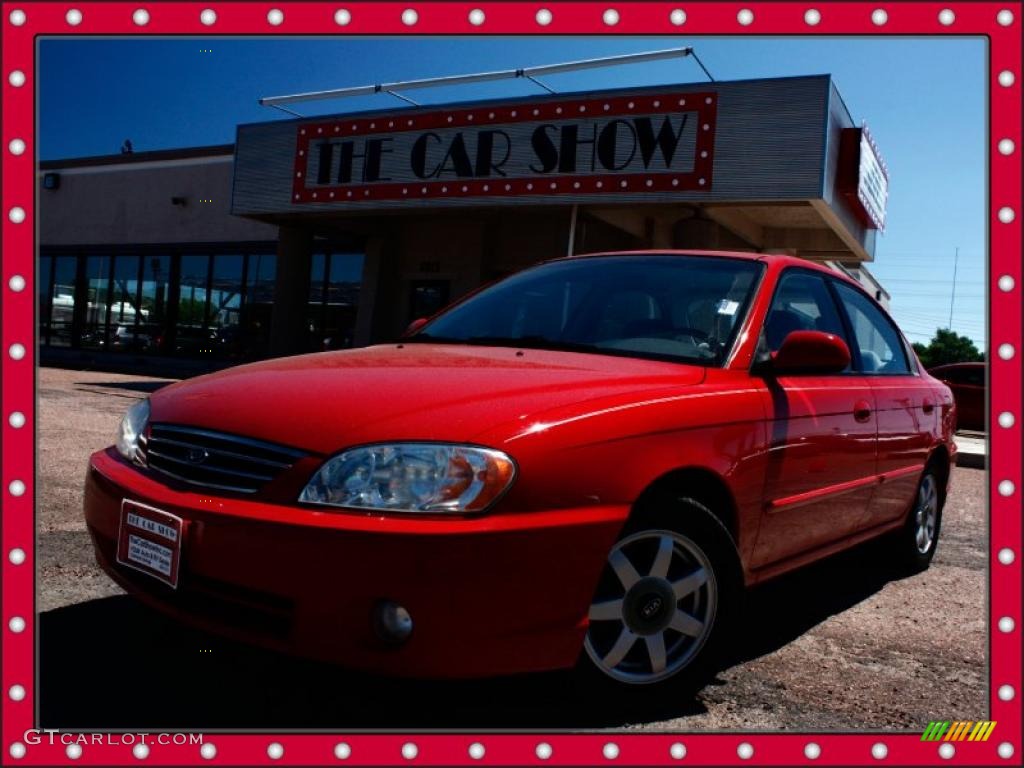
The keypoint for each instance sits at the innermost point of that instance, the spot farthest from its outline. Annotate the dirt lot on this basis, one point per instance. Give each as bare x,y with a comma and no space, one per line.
844,645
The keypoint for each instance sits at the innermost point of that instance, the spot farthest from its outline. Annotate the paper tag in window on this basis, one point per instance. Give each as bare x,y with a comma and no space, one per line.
727,307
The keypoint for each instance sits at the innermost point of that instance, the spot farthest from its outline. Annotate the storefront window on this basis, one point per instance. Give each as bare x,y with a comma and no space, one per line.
225,307
315,308
193,337
62,300
316,279
125,312
44,275
193,305
97,297
344,277
156,273
259,303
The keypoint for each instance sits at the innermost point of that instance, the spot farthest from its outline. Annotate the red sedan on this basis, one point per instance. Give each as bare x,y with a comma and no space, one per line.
967,381
583,463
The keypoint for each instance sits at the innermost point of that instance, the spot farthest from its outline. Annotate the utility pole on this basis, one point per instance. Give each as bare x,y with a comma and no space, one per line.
952,294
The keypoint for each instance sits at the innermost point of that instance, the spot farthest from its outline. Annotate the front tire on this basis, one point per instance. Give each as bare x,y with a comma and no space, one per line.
917,541
669,590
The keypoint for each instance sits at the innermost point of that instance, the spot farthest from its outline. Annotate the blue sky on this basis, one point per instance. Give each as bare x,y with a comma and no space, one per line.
923,98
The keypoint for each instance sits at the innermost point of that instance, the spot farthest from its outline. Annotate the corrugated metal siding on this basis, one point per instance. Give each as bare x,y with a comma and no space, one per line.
769,145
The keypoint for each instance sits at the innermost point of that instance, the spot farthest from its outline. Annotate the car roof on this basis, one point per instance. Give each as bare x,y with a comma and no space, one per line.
780,259
948,366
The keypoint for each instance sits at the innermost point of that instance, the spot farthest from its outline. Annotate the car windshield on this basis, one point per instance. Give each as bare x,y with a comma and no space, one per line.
679,308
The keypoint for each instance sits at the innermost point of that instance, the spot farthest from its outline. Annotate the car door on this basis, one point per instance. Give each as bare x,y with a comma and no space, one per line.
908,411
820,463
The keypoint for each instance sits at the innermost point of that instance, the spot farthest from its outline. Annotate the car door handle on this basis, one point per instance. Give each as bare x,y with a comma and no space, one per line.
861,410
927,406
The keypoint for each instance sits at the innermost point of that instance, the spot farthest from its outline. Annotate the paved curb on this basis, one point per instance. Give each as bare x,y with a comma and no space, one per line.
972,449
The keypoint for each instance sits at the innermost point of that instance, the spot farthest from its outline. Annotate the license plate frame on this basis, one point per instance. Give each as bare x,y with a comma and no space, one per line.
149,540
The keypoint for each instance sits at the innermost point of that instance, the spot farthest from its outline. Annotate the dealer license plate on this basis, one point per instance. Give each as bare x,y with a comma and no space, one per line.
149,541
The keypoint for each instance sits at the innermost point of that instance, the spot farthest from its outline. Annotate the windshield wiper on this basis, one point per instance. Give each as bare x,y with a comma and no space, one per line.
531,342
521,342
426,338
542,342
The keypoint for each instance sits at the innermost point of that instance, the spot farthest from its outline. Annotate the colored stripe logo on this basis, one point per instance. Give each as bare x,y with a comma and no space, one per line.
958,730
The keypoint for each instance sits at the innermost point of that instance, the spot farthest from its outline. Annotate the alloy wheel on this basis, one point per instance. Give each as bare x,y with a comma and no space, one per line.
926,514
654,607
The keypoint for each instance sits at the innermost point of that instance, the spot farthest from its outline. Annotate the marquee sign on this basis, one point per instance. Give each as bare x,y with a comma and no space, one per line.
864,177
590,146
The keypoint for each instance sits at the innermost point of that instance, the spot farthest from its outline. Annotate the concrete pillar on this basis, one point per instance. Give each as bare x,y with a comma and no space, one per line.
288,331
380,316
373,266
661,233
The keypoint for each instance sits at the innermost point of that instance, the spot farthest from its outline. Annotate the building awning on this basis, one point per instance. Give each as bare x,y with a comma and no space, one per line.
778,162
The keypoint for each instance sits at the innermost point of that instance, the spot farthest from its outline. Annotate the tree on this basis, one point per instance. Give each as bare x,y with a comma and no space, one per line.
922,353
948,346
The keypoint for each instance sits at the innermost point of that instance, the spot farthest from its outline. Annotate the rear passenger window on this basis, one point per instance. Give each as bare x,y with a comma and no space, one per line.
802,302
879,343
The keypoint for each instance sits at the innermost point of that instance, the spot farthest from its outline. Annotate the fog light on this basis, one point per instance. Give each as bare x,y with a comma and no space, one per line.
392,622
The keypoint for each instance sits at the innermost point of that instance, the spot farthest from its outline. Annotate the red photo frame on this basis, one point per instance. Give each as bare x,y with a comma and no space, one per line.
1000,22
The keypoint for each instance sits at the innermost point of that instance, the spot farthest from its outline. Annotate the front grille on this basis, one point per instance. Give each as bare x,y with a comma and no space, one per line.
214,459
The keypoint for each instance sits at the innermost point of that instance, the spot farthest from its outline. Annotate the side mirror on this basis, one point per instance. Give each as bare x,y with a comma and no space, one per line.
414,326
811,352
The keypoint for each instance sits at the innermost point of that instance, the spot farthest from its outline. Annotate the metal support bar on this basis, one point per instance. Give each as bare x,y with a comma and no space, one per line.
534,80
482,77
285,109
701,65
570,246
397,95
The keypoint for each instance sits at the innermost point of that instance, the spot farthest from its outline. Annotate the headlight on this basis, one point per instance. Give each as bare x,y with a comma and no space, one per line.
412,477
132,426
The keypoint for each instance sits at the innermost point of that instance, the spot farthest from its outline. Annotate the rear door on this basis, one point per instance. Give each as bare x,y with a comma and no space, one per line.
907,412
820,467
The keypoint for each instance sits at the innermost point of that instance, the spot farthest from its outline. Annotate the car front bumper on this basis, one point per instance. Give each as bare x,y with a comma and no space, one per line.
491,595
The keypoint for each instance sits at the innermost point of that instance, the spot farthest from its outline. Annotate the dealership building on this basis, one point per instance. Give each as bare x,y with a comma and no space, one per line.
336,231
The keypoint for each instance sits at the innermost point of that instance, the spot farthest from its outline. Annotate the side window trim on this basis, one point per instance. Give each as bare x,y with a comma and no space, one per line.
851,337
847,335
848,324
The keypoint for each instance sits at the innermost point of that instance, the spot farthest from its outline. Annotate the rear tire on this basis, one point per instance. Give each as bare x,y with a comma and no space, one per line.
664,604
915,543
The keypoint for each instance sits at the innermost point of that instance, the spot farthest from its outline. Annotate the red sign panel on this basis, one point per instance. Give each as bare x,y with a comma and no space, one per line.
863,177
584,146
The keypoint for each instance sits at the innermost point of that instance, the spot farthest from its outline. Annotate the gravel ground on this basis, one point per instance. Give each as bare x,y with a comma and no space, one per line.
842,645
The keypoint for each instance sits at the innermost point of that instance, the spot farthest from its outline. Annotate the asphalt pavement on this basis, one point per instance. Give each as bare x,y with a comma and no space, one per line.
848,644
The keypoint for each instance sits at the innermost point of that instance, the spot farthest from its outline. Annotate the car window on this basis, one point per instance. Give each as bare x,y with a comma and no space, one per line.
802,302
878,341
668,307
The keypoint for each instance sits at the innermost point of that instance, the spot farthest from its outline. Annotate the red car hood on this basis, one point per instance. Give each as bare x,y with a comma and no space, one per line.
327,401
